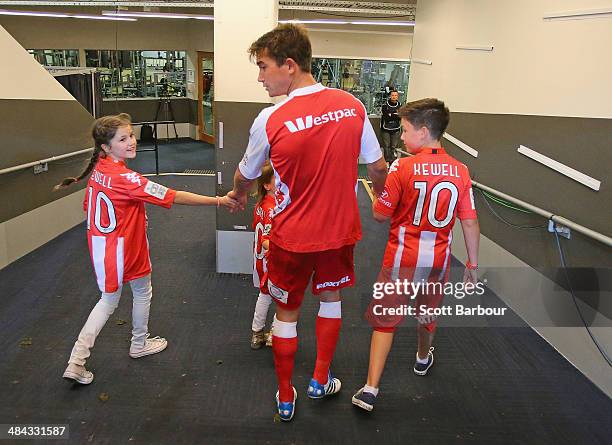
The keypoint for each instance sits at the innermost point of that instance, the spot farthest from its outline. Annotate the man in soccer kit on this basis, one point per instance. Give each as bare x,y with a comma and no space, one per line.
423,196
313,139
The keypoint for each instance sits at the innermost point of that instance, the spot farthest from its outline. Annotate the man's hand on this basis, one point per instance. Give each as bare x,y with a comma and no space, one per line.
230,204
240,198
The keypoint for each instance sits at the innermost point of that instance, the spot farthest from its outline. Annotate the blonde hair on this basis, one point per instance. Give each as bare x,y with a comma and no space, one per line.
102,131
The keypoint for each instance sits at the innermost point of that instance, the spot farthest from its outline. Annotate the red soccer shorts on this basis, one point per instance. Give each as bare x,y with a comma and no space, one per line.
389,310
290,272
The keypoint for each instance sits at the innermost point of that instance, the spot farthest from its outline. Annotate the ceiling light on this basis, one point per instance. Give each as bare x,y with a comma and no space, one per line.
381,23
60,15
347,22
156,15
321,21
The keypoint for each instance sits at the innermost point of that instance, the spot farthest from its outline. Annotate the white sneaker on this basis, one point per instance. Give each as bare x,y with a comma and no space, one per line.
78,373
152,346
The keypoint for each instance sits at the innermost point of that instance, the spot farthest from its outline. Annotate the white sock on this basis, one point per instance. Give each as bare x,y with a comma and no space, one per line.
330,310
371,390
284,329
422,361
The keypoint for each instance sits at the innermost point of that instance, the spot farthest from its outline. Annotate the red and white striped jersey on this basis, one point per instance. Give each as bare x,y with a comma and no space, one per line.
262,225
116,222
423,195
313,139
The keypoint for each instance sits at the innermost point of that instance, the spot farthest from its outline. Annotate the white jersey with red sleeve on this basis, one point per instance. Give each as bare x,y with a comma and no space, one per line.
423,195
313,139
116,222
262,225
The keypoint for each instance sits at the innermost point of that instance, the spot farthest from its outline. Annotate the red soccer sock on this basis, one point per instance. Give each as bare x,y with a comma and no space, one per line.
284,350
328,330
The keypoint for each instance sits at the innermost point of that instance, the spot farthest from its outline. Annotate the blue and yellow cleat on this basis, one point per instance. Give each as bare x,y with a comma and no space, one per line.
286,410
318,391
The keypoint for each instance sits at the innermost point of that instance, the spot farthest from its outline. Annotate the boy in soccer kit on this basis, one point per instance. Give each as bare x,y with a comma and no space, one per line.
423,196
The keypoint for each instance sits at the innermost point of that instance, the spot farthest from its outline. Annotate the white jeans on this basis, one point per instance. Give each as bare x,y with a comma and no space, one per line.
261,311
141,305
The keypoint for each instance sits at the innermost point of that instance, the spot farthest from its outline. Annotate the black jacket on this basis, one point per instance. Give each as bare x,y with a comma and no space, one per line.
389,119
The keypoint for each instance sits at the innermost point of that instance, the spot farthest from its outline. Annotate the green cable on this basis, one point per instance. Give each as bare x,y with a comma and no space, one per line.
503,202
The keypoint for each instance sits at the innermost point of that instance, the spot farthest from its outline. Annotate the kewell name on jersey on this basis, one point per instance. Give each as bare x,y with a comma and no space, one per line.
101,179
429,169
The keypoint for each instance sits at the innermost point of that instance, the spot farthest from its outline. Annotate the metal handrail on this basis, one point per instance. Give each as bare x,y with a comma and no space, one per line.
604,239
43,161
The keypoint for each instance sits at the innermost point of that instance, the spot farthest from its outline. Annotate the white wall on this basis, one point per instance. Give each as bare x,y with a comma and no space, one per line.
361,44
538,67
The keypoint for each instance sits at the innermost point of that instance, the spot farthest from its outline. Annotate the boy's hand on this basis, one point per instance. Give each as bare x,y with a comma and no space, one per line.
240,199
470,276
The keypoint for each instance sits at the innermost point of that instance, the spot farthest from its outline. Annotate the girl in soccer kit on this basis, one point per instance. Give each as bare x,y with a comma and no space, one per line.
262,225
116,233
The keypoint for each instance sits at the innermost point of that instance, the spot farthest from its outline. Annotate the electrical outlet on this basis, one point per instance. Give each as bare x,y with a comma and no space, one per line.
565,232
41,168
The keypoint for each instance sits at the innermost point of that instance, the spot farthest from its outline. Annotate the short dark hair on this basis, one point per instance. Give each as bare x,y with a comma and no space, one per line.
283,42
430,113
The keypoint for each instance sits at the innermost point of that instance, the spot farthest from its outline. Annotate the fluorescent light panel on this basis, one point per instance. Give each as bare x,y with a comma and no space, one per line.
462,145
157,15
61,15
584,14
580,177
421,61
347,22
475,47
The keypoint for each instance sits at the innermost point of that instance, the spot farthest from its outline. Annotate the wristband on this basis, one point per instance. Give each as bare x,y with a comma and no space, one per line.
471,266
218,202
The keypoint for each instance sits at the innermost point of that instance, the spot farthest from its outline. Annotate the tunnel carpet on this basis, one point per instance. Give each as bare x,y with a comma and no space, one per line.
175,156
489,385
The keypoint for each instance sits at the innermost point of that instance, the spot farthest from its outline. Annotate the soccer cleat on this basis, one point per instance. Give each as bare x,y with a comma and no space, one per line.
258,339
364,400
151,346
318,391
422,368
78,374
286,410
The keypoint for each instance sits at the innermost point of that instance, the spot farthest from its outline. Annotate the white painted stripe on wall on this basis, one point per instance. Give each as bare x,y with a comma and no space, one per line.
580,177
425,260
397,261
462,145
98,252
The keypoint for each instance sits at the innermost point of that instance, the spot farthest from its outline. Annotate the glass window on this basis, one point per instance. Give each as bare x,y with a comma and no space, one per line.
139,73
56,57
368,80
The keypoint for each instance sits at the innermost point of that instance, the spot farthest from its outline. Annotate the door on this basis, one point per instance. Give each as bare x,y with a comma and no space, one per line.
206,97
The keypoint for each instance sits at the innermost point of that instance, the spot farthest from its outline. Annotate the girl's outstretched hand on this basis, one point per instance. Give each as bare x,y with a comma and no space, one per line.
229,203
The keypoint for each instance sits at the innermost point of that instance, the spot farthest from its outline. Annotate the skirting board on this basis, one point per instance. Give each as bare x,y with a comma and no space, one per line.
24,233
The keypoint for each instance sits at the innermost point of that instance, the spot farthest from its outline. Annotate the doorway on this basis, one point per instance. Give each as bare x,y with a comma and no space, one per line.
206,98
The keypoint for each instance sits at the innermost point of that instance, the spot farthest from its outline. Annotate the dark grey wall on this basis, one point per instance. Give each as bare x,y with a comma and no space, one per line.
580,143
144,110
237,118
33,130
